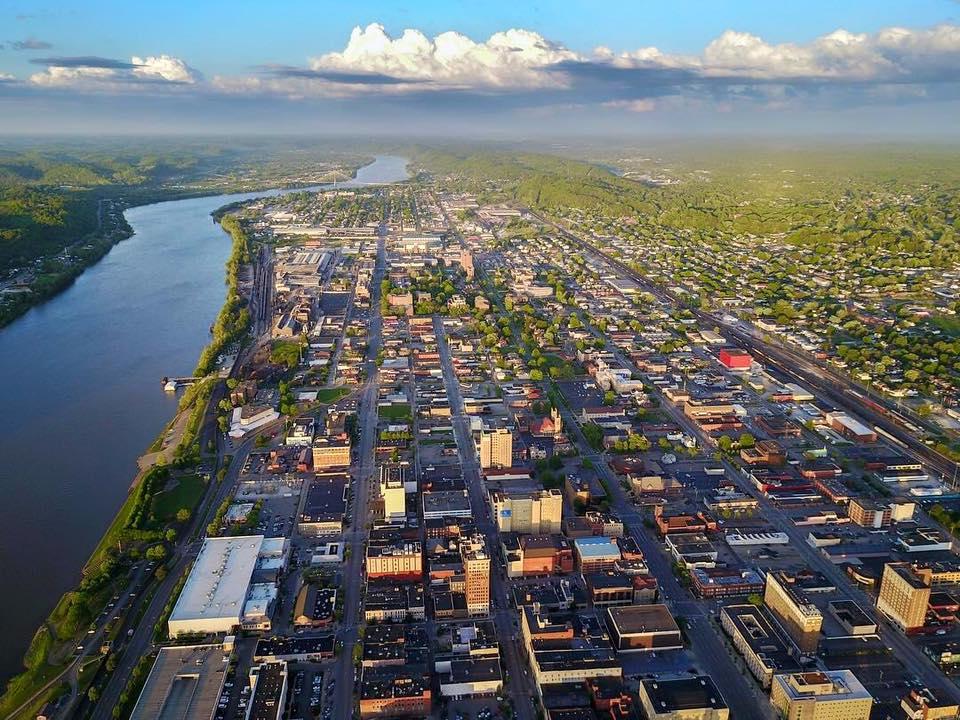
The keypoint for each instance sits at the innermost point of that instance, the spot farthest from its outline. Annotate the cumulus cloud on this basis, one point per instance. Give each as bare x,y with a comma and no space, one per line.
7,78
509,59
373,60
518,68
97,73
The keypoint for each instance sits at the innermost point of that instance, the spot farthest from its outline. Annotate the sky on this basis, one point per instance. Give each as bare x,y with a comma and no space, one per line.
498,69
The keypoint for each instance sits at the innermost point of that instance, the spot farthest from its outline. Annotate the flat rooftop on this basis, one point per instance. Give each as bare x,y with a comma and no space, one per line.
684,694
218,583
640,619
185,682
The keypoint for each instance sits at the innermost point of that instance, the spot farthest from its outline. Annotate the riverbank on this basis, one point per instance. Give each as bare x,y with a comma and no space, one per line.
43,660
60,272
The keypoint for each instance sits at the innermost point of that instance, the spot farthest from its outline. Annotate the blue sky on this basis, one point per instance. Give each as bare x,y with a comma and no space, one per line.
145,59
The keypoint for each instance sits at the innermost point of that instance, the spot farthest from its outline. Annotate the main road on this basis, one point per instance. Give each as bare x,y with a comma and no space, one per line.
353,571
520,685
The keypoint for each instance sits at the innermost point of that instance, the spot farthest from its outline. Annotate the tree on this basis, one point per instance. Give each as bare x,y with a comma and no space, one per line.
157,553
724,443
170,535
747,440
183,514
93,694
609,397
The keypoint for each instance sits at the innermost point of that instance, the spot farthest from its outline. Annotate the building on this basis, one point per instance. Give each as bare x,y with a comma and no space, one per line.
221,583
566,647
476,571
735,359
393,492
800,618
828,695
268,691
924,704
324,505
904,595
530,555
469,677
852,618
725,582
595,554
754,634
609,588
329,452
394,558
850,427
394,692
314,607
386,600
693,698
184,682
530,513
643,628
496,448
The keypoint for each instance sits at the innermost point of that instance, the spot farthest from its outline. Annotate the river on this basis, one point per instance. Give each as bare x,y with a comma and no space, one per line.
82,399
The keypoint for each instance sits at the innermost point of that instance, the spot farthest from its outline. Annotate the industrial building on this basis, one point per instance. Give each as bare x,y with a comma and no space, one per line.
184,682
221,592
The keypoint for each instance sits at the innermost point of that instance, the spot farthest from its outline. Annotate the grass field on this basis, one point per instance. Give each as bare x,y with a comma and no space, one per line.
186,494
396,411
329,395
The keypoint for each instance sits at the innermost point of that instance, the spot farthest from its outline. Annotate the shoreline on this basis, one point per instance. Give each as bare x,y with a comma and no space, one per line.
103,243
37,654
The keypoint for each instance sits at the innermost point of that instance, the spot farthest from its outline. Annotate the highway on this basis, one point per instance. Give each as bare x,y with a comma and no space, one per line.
184,554
518,683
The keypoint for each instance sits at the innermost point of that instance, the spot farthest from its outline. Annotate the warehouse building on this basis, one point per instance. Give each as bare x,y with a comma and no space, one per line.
184,682
221,589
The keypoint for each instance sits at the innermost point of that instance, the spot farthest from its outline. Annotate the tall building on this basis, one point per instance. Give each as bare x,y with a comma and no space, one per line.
496,448
828,695
476,570
393,493
528,513
800,617
904,594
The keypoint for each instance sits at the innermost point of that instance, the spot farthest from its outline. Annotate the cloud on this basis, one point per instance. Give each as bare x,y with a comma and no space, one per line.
84,61
374,61
31,44
521,69
7,78
638,106
90,72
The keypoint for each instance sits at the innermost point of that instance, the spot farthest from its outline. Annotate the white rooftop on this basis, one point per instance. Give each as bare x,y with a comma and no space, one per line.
218,583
